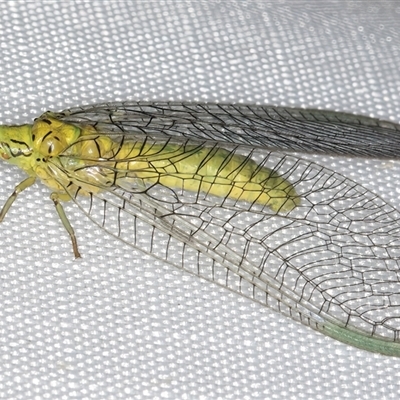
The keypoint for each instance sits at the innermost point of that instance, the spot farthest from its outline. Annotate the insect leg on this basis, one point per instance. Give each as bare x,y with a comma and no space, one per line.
56,197
18,189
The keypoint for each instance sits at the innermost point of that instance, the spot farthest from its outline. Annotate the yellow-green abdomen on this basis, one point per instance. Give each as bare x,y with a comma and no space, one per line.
211,170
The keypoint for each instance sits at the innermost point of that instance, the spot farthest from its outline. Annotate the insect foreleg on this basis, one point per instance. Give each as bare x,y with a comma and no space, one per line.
18,189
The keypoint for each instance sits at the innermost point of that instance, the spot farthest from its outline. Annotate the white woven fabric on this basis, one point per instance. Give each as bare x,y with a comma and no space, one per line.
116,324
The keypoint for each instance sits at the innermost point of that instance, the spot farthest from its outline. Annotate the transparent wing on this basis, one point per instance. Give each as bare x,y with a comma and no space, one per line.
334,258
333,261
274,128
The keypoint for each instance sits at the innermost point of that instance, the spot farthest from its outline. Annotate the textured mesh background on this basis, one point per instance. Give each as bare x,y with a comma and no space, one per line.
116,324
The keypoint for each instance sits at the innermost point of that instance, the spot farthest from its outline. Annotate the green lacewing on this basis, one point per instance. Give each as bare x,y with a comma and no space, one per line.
221,192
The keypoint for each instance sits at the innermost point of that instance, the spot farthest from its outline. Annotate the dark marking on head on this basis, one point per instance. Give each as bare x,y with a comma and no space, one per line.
19,152
18,142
